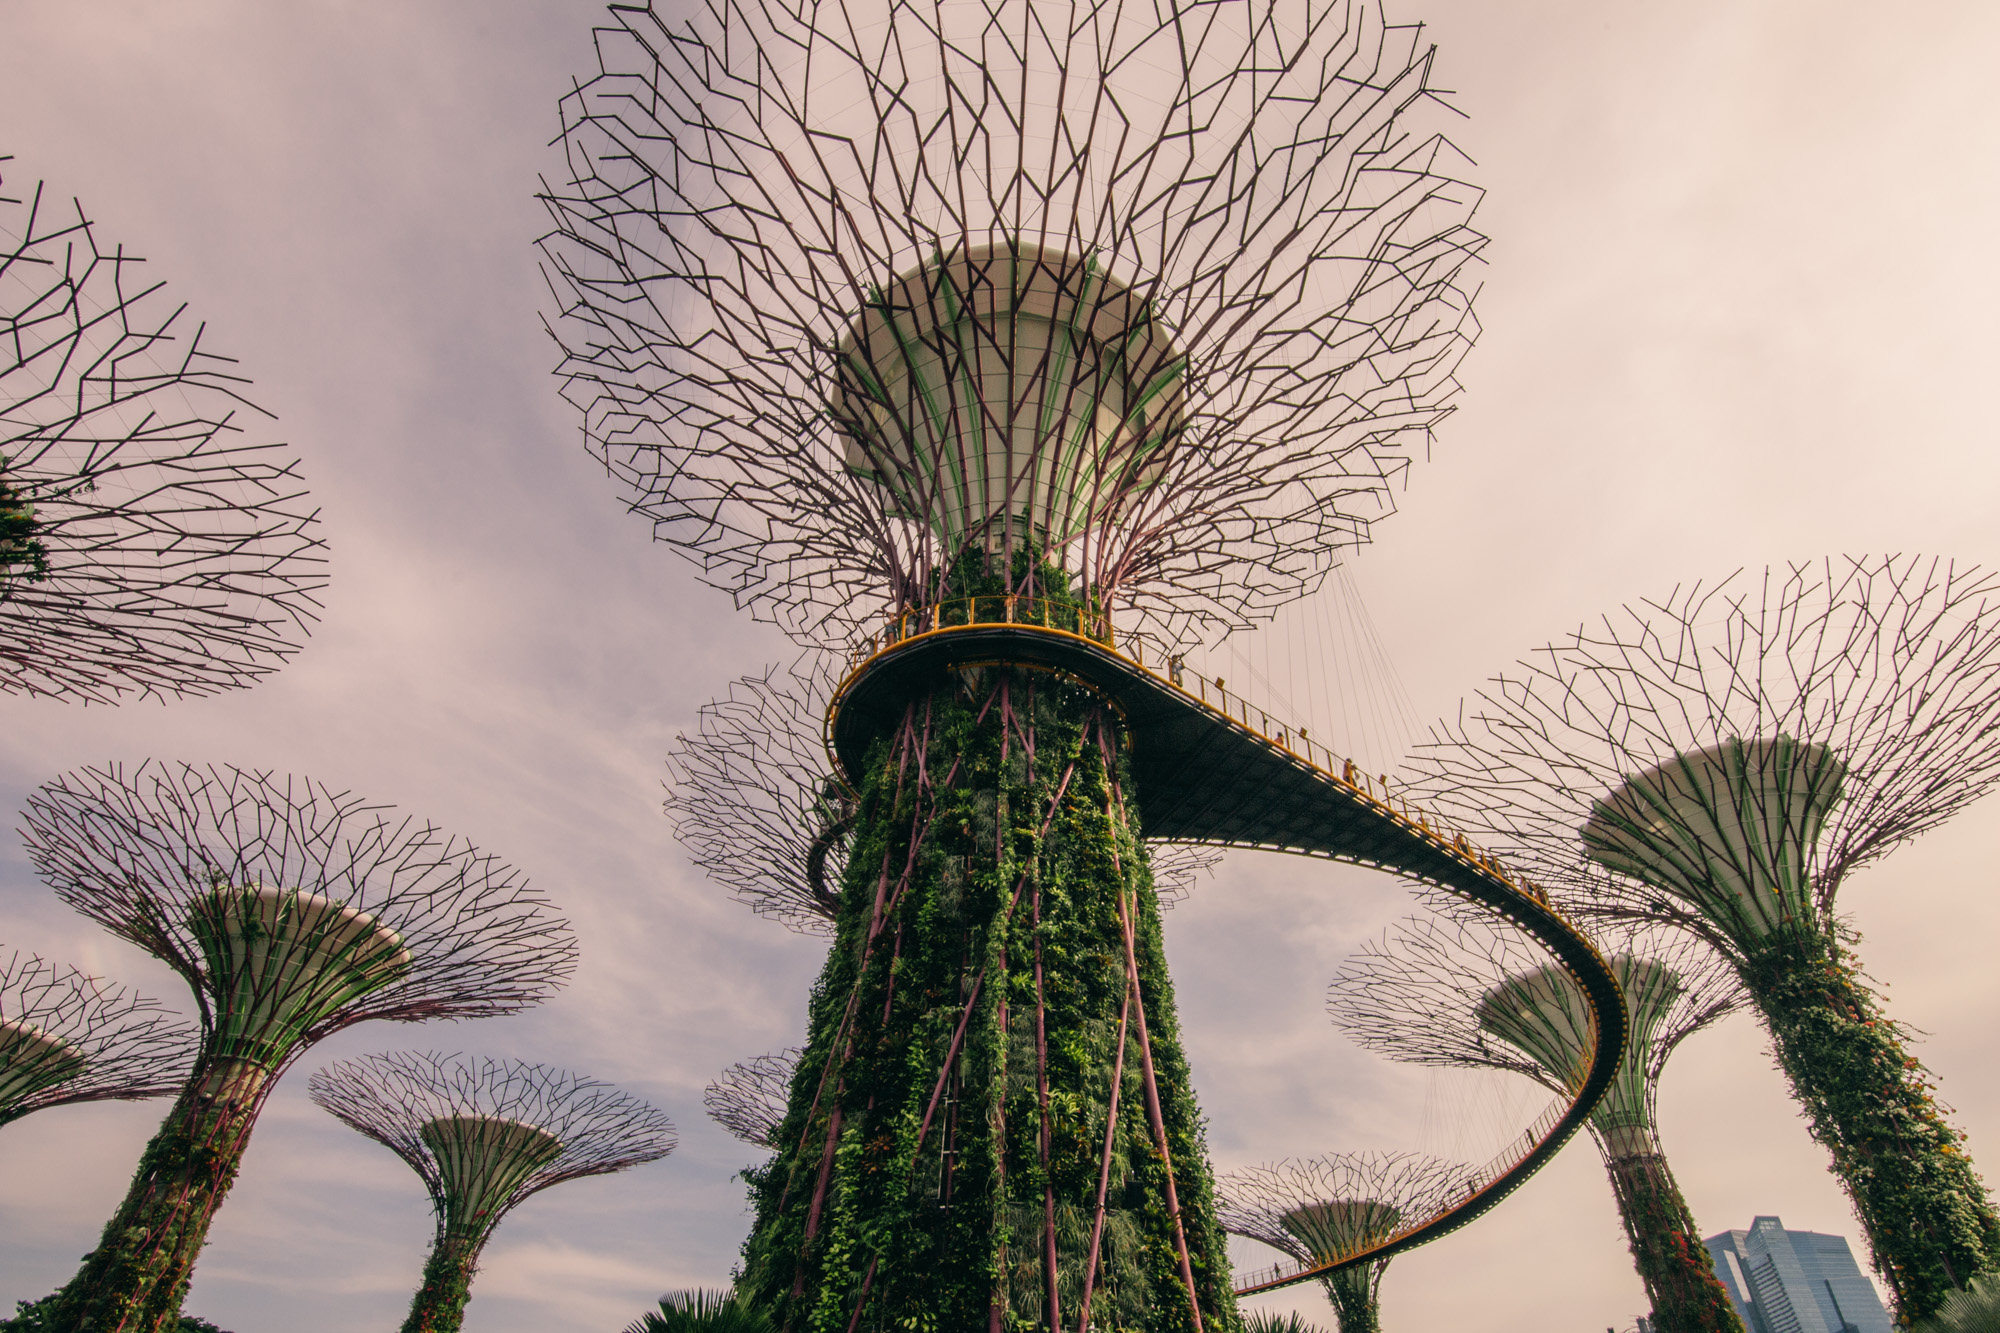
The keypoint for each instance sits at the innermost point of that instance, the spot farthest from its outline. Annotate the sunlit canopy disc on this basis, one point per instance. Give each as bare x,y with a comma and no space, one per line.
483,1159
281,960
1341,1226
1543,1014
31,1060
1003,381
1728,829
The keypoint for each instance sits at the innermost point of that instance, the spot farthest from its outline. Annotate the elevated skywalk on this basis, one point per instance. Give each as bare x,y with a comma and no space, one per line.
1210,768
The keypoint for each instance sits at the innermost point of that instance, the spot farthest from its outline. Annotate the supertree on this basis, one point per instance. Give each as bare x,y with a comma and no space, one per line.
749,1098
145,542
754,797
1447,989
1322,1209
992,322
292,910
1722,760
65,1037
484,1135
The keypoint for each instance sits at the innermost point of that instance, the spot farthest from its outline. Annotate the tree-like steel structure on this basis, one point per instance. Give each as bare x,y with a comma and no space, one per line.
146,542
755,799
292,910
65,1037
1077,309
1319,1209
1203,278
1448,989
749,1098
1722,760
484,1135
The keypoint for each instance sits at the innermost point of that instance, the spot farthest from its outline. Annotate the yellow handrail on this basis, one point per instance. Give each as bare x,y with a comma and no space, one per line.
1095,625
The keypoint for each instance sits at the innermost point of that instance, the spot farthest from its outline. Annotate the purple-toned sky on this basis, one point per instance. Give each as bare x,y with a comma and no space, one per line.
1738,310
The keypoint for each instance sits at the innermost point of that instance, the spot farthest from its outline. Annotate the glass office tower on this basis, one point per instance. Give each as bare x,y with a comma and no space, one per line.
1795,1281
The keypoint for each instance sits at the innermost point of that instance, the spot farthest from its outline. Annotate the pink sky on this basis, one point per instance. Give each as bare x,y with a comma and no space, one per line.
1737,310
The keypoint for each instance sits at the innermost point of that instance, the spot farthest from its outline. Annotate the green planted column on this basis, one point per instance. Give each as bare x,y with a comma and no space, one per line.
992,1125
1930,1223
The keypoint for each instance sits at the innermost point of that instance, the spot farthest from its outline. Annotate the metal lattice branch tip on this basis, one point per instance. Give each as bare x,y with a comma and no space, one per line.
485,1134
750,1098
67,1037
754,798
1173,294
293,909
149,542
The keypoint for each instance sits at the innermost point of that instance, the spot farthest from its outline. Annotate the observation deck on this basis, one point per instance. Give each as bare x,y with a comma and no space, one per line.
1212,768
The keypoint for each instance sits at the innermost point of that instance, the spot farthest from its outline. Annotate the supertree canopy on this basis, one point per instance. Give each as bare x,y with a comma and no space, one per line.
1721,760
292,910
1325,1208
484,1135
146,543
1448,989
756,800
65,1037
1011,318
749,1098
1168,292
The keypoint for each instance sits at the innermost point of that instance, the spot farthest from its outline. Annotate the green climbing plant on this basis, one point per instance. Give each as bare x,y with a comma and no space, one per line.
996,988
1674,1265
1929,1223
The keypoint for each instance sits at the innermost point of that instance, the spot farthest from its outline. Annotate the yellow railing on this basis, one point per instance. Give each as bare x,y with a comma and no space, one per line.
995,609
1068,617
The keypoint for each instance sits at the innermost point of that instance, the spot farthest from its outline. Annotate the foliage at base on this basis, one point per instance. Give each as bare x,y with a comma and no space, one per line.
703,1311
1974,1310
1929,1223
1270,1321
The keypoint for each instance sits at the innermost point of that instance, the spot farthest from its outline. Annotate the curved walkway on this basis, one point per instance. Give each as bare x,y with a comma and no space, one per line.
1211,769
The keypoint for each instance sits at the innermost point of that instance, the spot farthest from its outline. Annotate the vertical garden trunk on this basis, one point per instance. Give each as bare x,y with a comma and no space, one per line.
1929,1223
439,1306
1675,1266
1353,1292
137,1277
992,1125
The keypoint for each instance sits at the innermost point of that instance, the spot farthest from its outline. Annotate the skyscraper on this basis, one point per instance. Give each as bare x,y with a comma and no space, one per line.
1795,1281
